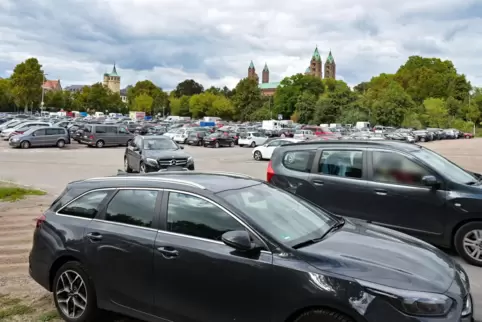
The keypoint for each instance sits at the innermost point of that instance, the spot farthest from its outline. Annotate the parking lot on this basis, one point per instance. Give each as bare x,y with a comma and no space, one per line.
51,169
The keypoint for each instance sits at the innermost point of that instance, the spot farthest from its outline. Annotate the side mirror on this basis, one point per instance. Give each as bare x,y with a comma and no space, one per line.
238,239
182,148
430,181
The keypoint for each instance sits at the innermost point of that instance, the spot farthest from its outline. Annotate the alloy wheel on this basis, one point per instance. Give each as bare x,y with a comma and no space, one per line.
142,168
126,164
25,144
257,156
71,294
472,243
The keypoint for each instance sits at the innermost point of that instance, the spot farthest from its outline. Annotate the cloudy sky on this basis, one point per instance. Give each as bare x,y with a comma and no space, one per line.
213,41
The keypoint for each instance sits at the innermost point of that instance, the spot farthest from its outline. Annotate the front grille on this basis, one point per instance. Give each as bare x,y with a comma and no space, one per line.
172,162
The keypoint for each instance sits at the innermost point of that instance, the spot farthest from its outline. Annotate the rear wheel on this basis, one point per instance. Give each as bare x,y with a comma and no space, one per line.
467,136
322,315
253,144
231,144
216,145
142,168
60,143
468,243
127,168
99,144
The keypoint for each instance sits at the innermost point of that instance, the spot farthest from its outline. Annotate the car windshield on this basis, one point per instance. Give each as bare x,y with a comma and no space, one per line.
160,144
285,217
449,169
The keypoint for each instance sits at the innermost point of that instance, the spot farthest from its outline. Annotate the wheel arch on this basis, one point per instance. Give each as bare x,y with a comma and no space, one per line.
292,317
460,225
58,263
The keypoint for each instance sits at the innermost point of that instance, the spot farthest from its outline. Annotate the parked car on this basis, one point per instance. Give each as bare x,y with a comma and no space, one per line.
20,128
264,152
100,135
153,153
397,185
219,139
41,137
468,135
197,138
251,139
137,244
181,135
304,135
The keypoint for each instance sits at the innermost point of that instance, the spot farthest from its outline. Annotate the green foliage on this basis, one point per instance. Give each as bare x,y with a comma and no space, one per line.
247,99
188,87
160,101
143,103
27,80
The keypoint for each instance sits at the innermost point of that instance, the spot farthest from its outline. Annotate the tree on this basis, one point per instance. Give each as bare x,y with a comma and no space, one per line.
305,107
179,106
6,97
247,99
188,88
143,103
200,104
160,101
54,100
27,80
436,113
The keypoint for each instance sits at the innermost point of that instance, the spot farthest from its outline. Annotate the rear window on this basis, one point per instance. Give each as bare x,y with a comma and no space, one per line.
299,160
88,128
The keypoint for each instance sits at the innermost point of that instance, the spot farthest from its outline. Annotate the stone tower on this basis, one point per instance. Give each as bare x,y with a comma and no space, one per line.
252,72
265,76
330,67
316,64
112,80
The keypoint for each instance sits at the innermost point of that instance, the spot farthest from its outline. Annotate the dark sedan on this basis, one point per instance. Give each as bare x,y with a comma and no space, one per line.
219,139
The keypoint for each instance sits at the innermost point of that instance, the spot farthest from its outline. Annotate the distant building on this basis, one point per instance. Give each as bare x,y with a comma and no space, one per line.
123,93
75,88
112,80
52,85
268,88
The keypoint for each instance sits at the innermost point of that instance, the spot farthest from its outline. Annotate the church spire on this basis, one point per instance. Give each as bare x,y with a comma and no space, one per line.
316,54
251,65
265,69
330,59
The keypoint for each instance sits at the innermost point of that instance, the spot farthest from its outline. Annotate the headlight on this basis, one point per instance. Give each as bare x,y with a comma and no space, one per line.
411,302
467,310
149,160
14,139
190,159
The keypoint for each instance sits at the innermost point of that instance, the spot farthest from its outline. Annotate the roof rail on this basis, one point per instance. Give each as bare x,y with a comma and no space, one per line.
187,173
148,178
232,174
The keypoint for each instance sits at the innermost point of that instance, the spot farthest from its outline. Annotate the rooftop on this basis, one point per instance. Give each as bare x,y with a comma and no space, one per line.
113,72
270,85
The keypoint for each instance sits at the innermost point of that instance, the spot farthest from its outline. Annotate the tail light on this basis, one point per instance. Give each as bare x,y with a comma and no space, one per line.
197,135
270,172
213,139
91,137
235,137
39,221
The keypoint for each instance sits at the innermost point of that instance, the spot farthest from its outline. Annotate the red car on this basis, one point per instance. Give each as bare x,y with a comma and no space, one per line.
468,135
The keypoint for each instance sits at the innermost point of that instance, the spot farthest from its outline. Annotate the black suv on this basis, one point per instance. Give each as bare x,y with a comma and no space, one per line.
213,247
153,153
396,185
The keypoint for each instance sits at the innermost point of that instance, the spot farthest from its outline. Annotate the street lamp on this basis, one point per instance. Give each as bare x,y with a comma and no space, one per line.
42,103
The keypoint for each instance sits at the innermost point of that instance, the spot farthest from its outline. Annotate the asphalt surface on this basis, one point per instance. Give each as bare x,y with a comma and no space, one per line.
51,169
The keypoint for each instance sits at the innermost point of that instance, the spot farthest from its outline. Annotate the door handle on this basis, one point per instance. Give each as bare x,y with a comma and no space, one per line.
168,252
94,236
381,192
318,182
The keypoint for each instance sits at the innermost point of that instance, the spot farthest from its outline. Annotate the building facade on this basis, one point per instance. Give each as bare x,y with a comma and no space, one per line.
112,80
315,69
52,85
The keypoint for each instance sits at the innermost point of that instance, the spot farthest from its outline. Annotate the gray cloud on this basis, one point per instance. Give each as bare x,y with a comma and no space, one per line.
213,41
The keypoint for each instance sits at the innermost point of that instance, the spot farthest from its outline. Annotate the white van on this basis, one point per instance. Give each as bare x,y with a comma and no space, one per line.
361,125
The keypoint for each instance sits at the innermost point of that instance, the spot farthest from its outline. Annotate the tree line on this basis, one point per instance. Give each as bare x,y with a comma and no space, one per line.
424,92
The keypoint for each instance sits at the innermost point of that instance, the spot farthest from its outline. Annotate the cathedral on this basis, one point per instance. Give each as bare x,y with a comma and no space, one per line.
315,69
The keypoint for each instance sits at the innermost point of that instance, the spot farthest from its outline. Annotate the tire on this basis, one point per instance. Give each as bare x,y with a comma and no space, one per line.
322,315
422,139
241,145
467,137
467,239
60,144
231,144
200,143
84,294
216,145
127,168
25,145
282,135
253,144
142,168
128,142
99,144
258,156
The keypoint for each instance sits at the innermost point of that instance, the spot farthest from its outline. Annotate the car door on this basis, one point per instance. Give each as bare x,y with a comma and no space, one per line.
340,179
119,244
134,153
399,198
267,151
198,277
38,138
123,135
51,136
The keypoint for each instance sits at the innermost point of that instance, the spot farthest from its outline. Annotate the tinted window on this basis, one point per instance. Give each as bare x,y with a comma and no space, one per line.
123,130
275,143
298,160
88,128
342,163
190,215
100,129
160,144
111,129
54,131
39,132
133,207
86,206
390,167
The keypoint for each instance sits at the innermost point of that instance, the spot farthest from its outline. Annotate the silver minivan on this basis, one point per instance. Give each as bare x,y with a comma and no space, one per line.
41,137
100,135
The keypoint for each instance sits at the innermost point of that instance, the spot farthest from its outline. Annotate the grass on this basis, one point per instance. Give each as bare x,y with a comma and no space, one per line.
49,316
12,193
15,309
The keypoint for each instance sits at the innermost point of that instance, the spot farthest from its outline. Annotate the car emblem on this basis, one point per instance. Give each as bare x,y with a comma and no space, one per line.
173,162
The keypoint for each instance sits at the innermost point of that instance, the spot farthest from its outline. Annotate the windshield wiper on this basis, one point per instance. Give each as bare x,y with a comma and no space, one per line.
308,242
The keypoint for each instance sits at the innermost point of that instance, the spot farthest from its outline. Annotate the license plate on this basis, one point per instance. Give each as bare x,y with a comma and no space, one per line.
85,136
190,142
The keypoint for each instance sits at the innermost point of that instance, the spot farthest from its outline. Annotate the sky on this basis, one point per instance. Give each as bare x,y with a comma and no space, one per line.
213,41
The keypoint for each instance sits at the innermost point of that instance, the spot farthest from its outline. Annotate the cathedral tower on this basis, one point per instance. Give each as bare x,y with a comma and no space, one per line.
252,72
112,80
330,67
265,75
316,64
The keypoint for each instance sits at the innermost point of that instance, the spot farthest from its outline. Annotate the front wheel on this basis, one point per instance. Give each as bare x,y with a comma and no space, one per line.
142,168
231,144
468,243
25,144
322,315
74,294
467,136
216,145
127,168
60,143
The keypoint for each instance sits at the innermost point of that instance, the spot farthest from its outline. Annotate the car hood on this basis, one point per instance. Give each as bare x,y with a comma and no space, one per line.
383,256
156,154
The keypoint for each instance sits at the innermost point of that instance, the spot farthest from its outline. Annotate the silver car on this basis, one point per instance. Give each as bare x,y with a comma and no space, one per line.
41,137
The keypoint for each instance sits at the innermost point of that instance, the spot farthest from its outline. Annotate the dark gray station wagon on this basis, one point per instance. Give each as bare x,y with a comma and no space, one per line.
213,247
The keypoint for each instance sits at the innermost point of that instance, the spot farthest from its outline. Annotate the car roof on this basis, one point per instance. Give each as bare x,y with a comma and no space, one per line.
402,146
188,180
163,137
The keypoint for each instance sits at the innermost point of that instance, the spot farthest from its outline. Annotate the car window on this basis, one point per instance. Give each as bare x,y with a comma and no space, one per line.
341,163
54,131
298,160
111,129
100,129
133,207
88,128
194,216
123,130
39,132
86,206
286,217
391,167
160,144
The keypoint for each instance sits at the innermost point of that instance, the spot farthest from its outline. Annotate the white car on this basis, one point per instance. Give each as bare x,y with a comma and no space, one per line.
264,152
304,135
251,139
22,127
171,133
181,136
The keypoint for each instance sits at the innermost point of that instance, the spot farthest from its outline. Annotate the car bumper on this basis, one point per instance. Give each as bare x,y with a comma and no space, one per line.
14,144
244,142
156,168
39,272
193,142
